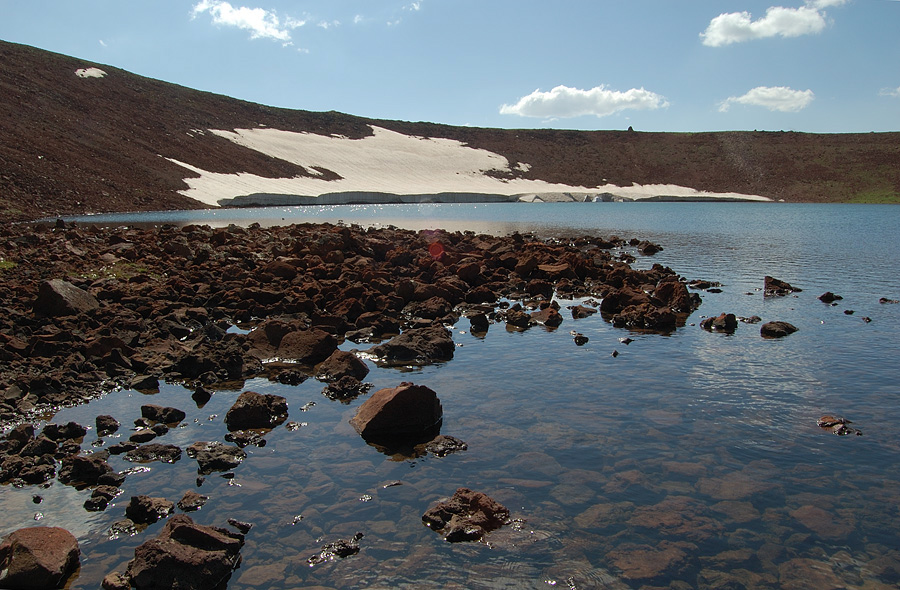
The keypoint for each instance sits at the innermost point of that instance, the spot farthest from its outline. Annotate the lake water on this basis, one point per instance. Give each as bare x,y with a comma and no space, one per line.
690,460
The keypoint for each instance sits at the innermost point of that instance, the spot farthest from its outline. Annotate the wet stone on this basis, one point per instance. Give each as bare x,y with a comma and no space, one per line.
146,510
467,516
215,456
154,452
341,549
192,501
345,389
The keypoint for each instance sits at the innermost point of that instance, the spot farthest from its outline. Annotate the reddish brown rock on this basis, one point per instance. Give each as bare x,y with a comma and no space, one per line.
307,346
773,287
776,329
407,410
38,557
61,298
416,346
726,322
187,556
256,410
146,510
467,516
340,364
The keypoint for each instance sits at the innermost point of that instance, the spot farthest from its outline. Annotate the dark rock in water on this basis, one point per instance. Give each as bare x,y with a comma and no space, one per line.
187,556
201,395
837,425
776,329
290,377
829,297
69,431
60,298
726,322
122,447
243,438
467,516
580,339
886,301
341,364
154,452
648,248
518,318
255,410
192,501
80,470
550,317
115,581
773,287
479,323
647,317
346,389
675,295
241,526
38,557
442,445
849,312
416,346
147,510
215,456
106,425
163,415
342,548
754,319
100,498
579,312
407,410
38,447
142,435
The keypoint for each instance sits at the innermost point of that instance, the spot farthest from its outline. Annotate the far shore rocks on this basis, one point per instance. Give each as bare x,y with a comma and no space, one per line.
38,557
467,516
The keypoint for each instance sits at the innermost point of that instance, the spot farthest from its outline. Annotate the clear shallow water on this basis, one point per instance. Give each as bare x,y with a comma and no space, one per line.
689,459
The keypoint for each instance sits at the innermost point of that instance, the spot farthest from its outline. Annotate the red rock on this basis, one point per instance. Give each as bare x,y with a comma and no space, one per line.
307,346
256,410
405,410
342,363
38,557
61,298
467,516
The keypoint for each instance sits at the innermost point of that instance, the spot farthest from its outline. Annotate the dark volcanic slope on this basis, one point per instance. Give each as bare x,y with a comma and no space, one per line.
72,145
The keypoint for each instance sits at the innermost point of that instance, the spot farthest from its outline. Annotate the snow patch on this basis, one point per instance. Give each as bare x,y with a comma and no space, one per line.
90,73
386,162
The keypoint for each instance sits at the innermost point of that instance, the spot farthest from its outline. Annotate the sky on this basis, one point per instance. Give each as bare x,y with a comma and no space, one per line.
820,66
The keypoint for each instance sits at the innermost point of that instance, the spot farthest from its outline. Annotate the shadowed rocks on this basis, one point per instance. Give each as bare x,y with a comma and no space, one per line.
38,557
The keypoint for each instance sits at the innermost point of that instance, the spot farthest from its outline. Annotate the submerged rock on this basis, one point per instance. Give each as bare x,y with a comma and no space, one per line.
837,425
341,548
38,557
147,510
215,456
163,415
345,389
153,452
467,516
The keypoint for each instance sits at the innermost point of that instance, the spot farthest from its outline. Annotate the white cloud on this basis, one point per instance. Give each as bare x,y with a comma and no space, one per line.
260,22
102,43
414,6
329,24
737,27
895,92
774,98
564,102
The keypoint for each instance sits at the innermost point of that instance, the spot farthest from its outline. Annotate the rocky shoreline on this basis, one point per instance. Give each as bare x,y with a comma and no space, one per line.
91,309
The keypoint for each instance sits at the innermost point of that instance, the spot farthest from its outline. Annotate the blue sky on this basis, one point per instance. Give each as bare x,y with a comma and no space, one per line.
657,65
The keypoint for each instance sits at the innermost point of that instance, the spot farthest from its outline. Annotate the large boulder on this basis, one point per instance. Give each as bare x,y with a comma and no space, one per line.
83,471
147,510
416,346
307,346
185,556
61,298
407,410
467,516
256,410
38,557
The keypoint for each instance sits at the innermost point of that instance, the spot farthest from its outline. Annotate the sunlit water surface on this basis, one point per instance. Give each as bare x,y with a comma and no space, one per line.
688,460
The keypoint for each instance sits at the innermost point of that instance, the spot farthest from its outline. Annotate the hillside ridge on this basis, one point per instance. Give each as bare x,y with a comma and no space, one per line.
75,145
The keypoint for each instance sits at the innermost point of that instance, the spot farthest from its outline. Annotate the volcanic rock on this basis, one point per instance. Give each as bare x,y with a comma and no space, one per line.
80,470
776,329
307,346
163,415
773,287
467,516
341,364
416,346
726,322
407,410
100,498
345,389
192,501
60,298
341,548
215,456
186,556
153,452
38,557
147,510
442,445
255,410
829,297
106,425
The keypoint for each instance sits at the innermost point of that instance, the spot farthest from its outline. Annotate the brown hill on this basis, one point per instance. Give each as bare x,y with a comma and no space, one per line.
72,146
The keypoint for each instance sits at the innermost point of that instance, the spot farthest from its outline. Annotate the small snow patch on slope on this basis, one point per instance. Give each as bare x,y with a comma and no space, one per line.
90,73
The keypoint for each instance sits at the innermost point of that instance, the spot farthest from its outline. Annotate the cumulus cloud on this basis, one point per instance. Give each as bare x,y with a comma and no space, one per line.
565,102
259,22
737,27
895,92
774,98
